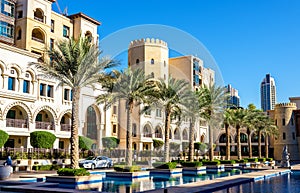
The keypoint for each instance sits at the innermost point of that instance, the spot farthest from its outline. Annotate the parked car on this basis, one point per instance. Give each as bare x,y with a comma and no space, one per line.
96,162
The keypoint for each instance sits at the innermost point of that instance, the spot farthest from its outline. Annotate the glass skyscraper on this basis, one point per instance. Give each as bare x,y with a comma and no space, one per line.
233,99
268,93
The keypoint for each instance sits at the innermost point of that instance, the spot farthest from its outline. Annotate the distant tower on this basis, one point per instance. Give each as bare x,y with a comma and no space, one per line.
233,98
152,55
268,93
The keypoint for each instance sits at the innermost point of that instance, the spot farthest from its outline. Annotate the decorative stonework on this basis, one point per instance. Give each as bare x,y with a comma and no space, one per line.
21,104
48,108
285,105
68,111
147,41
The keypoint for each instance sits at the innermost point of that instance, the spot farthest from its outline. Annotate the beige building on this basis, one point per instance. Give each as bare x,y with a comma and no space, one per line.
30,102
152,55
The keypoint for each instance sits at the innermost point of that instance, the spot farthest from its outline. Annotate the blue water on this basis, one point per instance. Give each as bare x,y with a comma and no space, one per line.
287,183
159,181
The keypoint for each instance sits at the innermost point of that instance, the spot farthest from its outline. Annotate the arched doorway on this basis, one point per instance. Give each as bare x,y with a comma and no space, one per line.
91,123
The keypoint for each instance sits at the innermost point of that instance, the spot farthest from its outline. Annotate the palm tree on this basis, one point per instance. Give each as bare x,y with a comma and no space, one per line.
75,63
212,102
270,129
172,97
133,87
228,117
239,121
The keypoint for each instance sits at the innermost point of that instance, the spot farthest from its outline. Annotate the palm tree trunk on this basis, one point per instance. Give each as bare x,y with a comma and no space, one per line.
239,149
129,135
227,142
191,144
74,140
259,143
211,144
266,146
249,143
167,139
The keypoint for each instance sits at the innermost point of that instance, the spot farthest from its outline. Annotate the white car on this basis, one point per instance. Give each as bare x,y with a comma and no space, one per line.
96,162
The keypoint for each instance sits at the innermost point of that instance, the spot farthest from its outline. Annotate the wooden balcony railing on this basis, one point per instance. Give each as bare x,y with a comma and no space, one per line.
19,123
44,125
65,127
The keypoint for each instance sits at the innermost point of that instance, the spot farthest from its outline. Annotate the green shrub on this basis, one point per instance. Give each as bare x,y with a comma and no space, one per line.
46,167
85,143
200,146
3,138
227,161
124,168
110,142
252,159
211,163
42,139
185,145
191,164
241,161
261,159
72,172
164,165
174,146
157,144
269,159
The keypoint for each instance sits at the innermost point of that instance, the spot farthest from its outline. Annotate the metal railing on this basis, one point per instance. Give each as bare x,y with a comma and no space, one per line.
65,127
44,125
19,123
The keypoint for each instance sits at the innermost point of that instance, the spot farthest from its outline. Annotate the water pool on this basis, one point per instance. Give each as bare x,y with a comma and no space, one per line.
159,181
286,183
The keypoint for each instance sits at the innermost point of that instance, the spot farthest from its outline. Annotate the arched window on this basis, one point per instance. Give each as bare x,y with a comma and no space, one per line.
12,80
39,15
134,133
176,134
152,61
147,131
27,83
91,123
223,138
165,64
184,135
89,35
244,138
254,138
158,132
19,34
152,75
137,61
37,35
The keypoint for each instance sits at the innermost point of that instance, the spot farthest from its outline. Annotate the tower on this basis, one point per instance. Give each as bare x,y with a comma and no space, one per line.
268,93
152,55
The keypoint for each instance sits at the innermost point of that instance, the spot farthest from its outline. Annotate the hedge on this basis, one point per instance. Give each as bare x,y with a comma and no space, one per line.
227,161
261,159
46,167
191,164
3,138
164,165
252,159
72,172
200,146
269,159
85,143
110,142
211,163
42,139
124,168
157,144
241,161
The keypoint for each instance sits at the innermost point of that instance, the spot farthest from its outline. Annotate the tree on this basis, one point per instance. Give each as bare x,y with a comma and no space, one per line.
157,144
75,63
42,139
3,138
172,97
270,129
228,120
239,120
212,102
85,143
133,87
110,142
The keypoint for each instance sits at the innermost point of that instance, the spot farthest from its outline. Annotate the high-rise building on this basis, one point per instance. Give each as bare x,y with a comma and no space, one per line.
7,21
268,93
233,98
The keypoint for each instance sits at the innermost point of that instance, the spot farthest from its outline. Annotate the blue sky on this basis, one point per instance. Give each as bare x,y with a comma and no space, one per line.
247,38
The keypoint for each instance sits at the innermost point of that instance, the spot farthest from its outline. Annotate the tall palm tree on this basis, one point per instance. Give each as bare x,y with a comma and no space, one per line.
239,121
133,87
212,102
172,96
75,63
270,129
228,118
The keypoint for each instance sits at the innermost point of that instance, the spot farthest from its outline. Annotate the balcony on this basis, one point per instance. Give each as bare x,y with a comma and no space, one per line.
19,123
39,19
44,125
65,127
37,39
147,135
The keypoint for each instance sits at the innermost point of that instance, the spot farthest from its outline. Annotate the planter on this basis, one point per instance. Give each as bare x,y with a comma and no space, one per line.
128,175
215,169
167,172
76,182
194,170
5,172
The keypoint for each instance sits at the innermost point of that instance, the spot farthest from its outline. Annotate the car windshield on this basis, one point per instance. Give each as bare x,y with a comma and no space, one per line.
90,158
